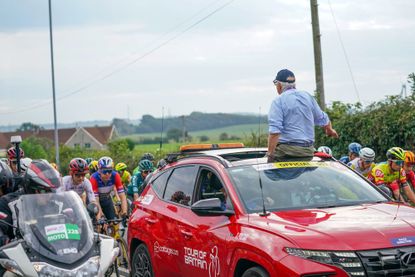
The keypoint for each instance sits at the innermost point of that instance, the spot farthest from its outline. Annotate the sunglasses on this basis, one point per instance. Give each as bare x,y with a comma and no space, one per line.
106,171
398,162
146,171
79,175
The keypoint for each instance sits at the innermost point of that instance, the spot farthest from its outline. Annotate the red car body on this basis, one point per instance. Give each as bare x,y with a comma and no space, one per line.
182,243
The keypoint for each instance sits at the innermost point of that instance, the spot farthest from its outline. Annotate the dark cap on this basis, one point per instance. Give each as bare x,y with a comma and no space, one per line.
285,76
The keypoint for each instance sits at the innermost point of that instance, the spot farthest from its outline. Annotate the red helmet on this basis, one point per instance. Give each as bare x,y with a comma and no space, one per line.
78,165
11,153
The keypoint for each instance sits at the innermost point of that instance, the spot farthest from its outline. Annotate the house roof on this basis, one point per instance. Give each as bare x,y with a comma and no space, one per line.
102,134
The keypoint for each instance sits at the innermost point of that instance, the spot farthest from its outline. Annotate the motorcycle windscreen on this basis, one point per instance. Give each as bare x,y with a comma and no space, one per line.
56,225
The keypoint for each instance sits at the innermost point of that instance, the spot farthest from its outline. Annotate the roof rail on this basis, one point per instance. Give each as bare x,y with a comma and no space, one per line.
209,146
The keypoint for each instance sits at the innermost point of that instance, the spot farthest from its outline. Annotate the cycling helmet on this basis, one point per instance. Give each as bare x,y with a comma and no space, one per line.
105,163
325,149
54,165
89,160
395,153
147,156
145,165
162,163
41,177
409,157
93,166
367,154
120,167
354,147
78,166
11,153
6,175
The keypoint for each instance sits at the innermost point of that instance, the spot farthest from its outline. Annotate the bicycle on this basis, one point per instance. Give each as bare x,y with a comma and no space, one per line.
110,228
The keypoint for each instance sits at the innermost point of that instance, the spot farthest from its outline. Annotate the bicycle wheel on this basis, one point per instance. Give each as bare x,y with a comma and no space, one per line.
123,258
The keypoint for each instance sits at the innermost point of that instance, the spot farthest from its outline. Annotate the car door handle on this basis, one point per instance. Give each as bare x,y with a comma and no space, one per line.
186,234
150,220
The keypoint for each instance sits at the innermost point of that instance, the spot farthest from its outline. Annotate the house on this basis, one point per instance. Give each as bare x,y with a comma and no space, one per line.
83,137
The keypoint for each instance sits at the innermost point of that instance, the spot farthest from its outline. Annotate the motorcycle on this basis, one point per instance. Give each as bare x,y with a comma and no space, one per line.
54,237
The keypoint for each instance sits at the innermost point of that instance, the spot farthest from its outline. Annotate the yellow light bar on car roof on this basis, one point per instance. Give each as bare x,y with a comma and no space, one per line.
209,146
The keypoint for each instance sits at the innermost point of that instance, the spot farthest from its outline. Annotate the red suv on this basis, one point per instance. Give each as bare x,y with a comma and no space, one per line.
227,212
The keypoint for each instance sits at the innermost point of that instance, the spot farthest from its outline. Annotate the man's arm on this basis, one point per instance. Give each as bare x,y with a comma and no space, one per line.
272,143
328,129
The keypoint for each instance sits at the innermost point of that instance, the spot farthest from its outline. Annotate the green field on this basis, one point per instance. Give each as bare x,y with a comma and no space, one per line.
241,131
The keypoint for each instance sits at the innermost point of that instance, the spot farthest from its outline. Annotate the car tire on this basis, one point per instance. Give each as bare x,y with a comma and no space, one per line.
255,271
141,263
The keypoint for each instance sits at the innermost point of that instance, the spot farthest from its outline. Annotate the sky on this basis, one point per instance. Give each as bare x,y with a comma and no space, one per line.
124,59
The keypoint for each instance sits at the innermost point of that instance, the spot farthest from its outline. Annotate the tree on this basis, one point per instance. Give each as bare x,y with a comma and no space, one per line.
28,126
224,136
174,134
203,138
411,81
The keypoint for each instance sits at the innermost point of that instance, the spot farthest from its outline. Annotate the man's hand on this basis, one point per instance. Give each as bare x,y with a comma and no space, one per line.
270,157
331,133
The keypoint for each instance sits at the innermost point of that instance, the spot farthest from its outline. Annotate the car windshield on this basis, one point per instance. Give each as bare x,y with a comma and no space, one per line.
299,185
56,225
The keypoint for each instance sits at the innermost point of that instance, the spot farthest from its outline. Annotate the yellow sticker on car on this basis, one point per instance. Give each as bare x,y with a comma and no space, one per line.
299,164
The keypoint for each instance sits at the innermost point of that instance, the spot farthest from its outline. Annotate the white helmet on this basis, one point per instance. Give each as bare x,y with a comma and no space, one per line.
325,149
367,154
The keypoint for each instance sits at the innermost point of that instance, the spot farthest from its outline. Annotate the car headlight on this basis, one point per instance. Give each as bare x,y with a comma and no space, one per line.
348,261
11,266
90,268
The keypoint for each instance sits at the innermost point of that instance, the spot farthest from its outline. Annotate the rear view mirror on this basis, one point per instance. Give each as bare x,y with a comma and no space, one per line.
210,206
92,209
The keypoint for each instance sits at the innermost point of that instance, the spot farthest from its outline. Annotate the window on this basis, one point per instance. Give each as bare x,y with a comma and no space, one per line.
210,186
159,184
87,145
180,185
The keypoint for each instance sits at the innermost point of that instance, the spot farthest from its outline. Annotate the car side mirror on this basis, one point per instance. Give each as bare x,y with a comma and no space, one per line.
210,207
92,209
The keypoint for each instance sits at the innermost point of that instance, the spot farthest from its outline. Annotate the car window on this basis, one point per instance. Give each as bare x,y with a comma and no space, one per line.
210,186
322,185
180,185
159,184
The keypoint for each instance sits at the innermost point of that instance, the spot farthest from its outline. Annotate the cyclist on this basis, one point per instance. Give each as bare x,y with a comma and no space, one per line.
93,167
391,175
354,149
365,163
121,168
88,160
325,149
77,182
135,187
409,167
146,156
103,181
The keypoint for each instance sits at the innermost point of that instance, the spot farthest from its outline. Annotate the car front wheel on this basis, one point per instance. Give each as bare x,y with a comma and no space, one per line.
141,263
255,271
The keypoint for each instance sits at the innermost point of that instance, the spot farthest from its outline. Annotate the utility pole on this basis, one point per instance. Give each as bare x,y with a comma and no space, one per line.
162,126
318,62
183,130
53,87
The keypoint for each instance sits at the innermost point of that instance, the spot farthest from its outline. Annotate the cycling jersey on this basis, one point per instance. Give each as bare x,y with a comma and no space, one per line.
354,164
101,188
126,178
85,186
411,178
382,174
135,185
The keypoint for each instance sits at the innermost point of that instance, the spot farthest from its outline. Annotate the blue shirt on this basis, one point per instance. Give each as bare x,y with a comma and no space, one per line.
293,115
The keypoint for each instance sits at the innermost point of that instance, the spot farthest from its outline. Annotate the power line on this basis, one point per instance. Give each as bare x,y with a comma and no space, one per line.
149,52
344,52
